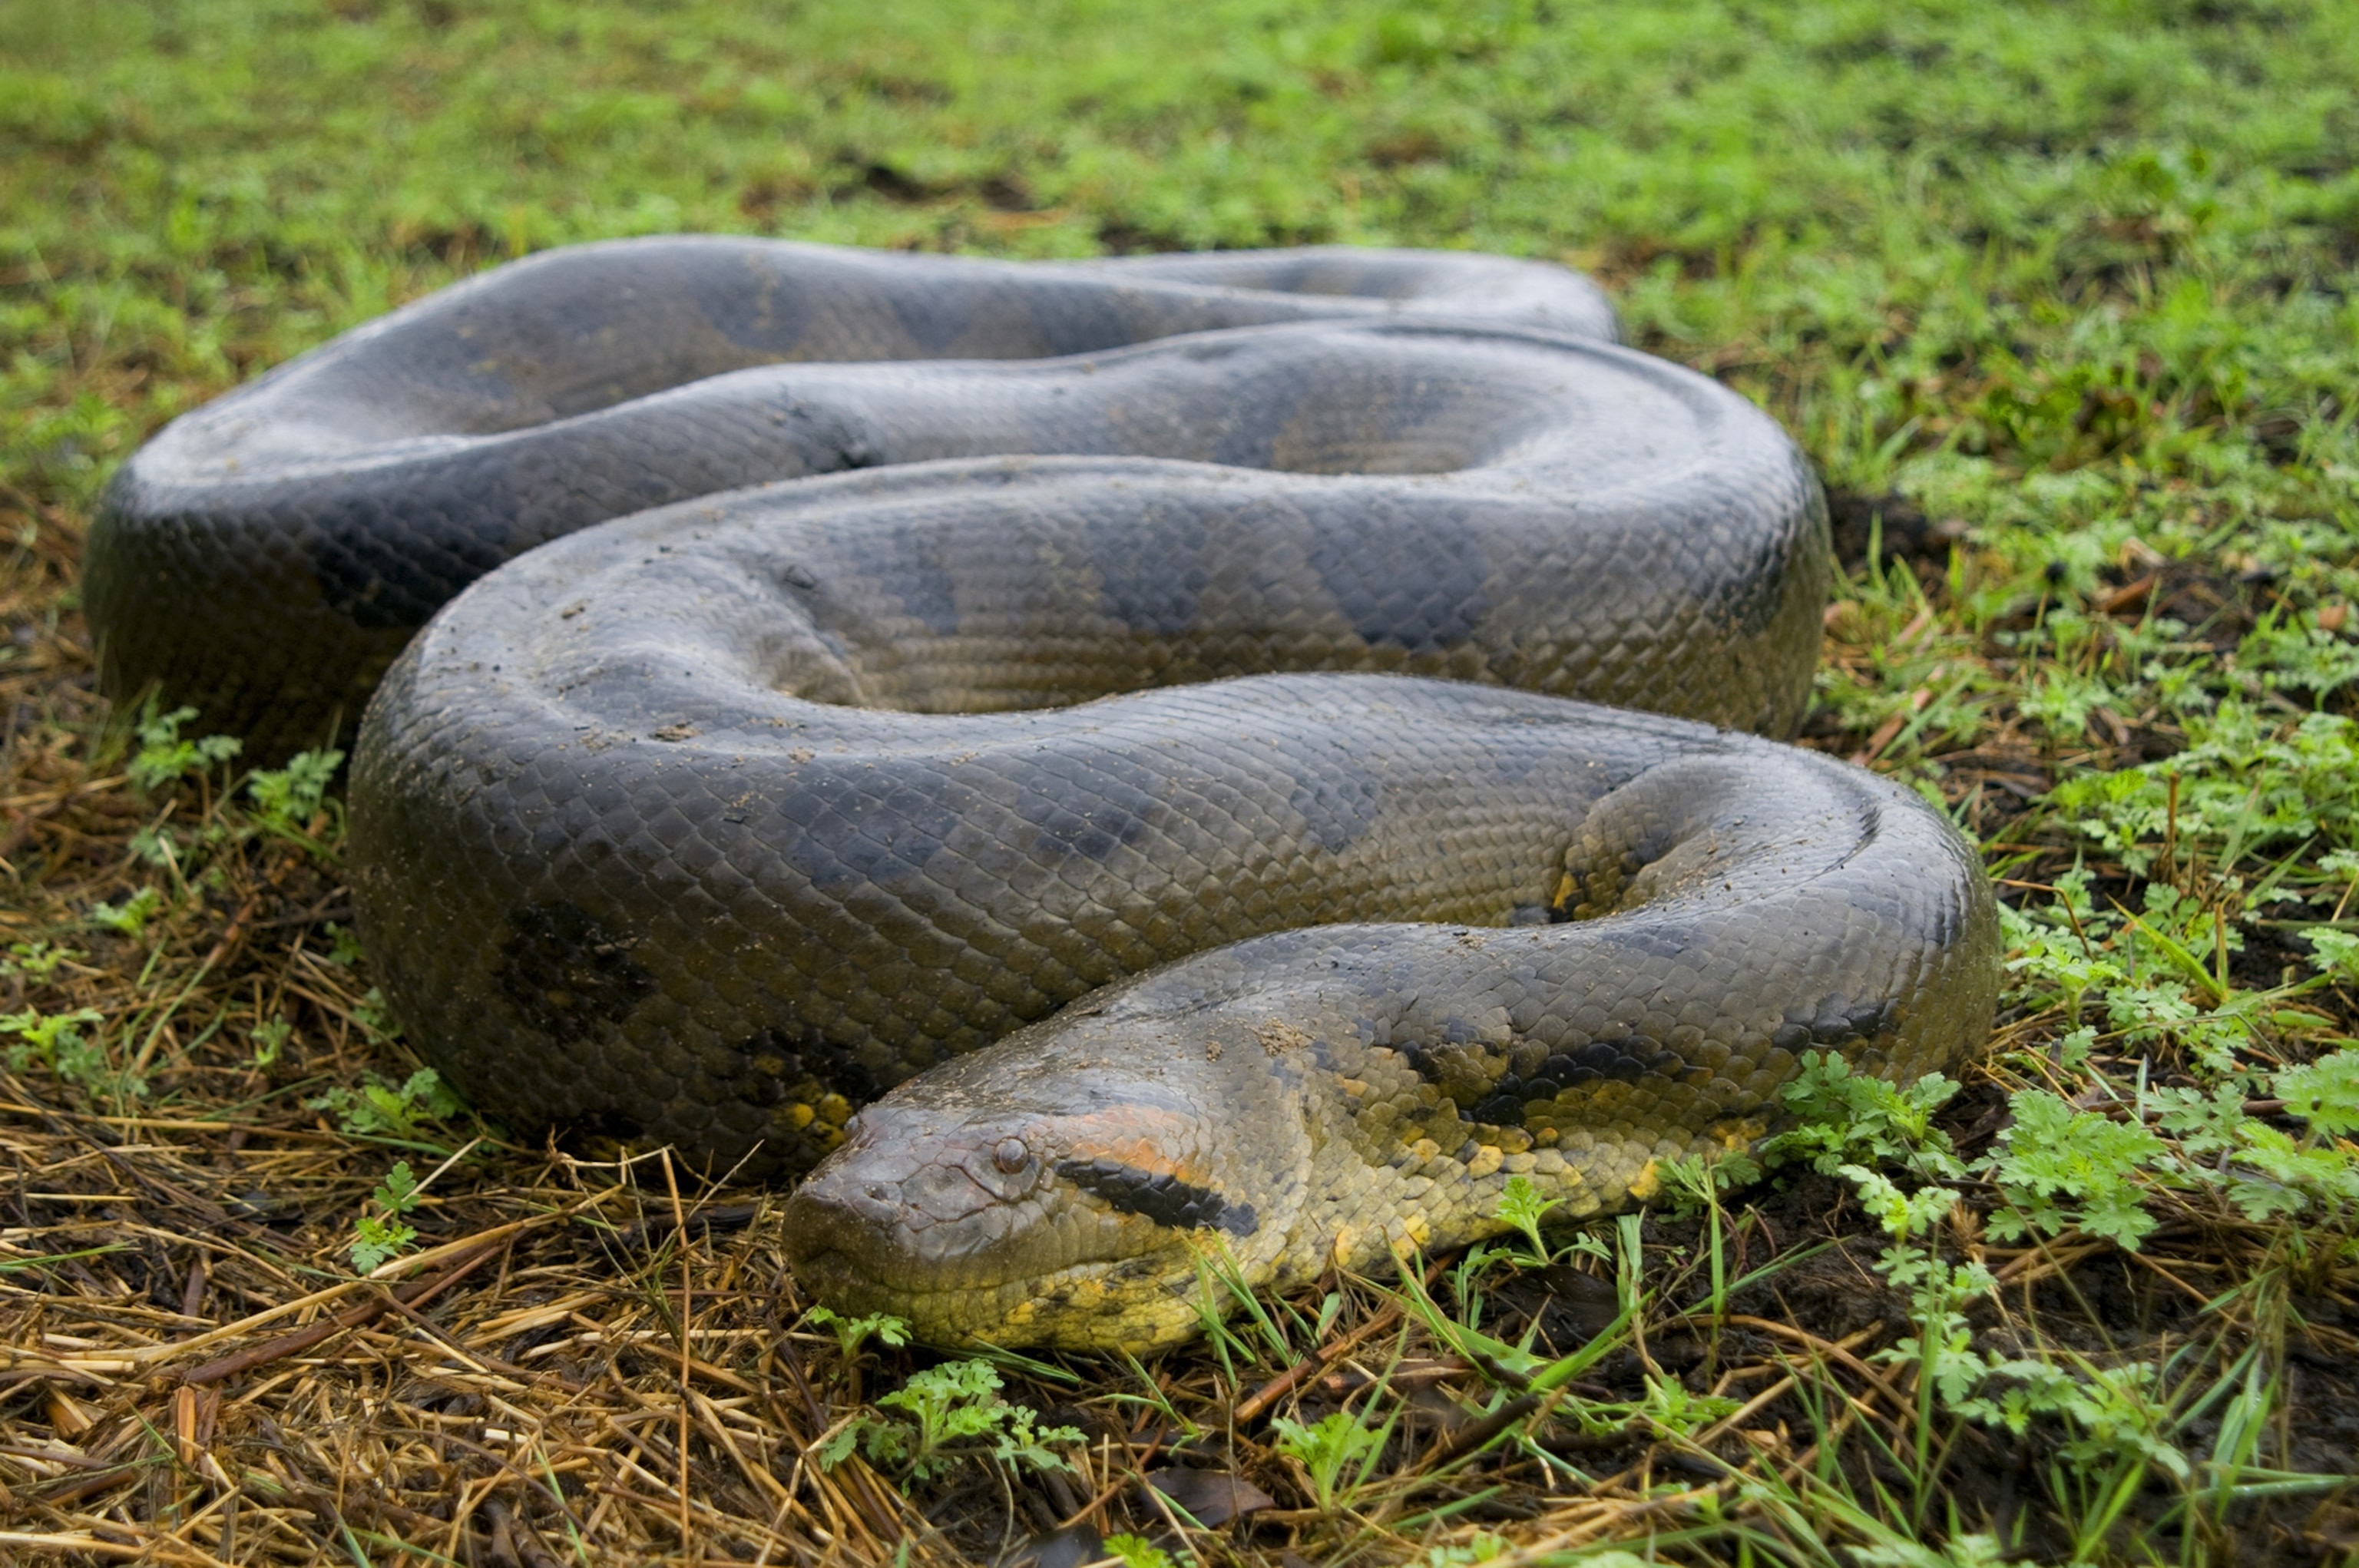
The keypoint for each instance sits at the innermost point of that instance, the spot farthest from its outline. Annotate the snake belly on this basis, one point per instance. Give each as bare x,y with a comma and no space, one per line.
1138,731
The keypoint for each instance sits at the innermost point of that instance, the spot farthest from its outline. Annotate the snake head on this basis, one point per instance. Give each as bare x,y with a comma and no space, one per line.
1034,1193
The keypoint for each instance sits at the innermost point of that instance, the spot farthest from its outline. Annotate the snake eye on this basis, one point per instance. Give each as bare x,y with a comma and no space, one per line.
1011,1156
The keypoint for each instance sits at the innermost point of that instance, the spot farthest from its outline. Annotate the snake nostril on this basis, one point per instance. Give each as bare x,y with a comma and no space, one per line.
880,1191
1011,1156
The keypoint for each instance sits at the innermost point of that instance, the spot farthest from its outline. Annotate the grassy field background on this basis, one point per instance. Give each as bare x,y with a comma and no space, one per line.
2060,298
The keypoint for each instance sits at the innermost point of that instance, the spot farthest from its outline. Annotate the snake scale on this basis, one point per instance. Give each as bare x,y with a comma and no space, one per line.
1139,728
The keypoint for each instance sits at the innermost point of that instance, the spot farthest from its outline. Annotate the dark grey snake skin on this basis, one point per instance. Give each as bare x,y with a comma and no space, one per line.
265,556
1223,676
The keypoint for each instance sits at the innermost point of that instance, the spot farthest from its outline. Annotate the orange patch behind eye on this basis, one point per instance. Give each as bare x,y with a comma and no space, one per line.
1137,1136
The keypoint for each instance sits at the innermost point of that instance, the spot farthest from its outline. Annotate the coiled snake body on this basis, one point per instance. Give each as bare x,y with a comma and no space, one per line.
1194,642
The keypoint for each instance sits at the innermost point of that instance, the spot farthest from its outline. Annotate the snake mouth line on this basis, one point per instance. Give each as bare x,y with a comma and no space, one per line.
852,1281
827,1241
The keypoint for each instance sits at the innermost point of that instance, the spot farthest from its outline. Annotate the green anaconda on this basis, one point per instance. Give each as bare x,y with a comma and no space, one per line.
1200,703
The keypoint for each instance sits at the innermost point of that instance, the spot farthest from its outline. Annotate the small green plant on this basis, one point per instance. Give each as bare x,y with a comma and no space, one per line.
36,962
2161,977
2113,1409
2292,658
852,1333
1675,1411
380,1107
2058,1168
1851,1125
1328,1449
959,1416
55,1040
2272,1176
130,918
164,758
1943,1348
288,800
2063,702
2324,1093
1947,1367
159,845
1958,1552
270,1040
2337,951
1521,1206
2265,1172
376,1017
2054,952
2123,1420
344,947
1136,1551
1847,1118
1524,1212
383,1235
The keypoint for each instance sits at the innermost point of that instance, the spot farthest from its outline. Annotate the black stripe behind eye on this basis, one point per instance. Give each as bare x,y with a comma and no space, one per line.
1165,1200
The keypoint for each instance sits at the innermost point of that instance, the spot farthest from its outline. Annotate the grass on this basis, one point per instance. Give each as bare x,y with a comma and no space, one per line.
2060,300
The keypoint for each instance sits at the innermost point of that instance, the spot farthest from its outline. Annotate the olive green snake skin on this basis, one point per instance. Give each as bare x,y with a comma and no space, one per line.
1139,719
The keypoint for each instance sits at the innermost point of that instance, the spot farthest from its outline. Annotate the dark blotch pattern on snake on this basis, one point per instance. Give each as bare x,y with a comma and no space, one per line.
1184,674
